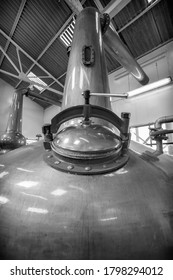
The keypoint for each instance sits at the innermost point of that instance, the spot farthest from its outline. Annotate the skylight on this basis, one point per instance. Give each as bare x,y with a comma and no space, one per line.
37,80
67,35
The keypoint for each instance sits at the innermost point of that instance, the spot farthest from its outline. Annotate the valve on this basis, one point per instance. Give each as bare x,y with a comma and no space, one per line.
48,137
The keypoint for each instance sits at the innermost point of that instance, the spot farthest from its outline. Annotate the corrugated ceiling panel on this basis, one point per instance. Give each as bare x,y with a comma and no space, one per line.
2,41
10,80
26,62
57,87
62,79
13,55
143,28
23,85
89,3
163,20
52,95
105,2
8,12
129,12
111,62
39,23
55,59
7,66
39,72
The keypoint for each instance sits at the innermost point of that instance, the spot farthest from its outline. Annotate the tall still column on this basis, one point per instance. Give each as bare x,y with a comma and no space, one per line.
13,138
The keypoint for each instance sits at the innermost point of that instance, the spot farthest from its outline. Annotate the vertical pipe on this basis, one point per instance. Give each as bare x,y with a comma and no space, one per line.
15,117
13,138
81,76
169,126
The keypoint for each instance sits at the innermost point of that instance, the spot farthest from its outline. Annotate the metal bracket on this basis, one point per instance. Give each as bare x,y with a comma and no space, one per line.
105,21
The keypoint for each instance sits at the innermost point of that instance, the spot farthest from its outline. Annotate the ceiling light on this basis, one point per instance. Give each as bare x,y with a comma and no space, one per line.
149,87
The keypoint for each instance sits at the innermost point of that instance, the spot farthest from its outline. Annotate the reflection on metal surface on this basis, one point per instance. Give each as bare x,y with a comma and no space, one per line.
77,188
25,170
108,219
37,210
73,78
110,175
4,173
58,192
33,195
3,200
27,184
121,171
86,149
87,141
11,140
2,165
137,152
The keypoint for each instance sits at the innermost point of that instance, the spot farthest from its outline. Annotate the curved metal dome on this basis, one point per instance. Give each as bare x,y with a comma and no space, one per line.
83,141
48,214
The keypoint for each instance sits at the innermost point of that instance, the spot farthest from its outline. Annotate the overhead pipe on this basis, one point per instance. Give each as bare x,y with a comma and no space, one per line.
28,92
160,121
118,50
114,45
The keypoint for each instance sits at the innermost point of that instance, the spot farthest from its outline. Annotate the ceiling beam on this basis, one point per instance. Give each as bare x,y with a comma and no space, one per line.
22,5
30,82
21,75
9,59
48,46
98,5
75,6
114,7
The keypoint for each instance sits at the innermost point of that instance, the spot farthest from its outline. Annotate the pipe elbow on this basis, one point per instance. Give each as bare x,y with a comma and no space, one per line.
165,119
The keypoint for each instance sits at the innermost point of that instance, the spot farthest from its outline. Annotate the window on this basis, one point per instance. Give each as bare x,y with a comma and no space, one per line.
67,35
37,80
